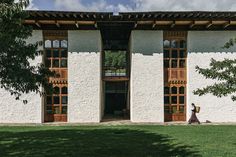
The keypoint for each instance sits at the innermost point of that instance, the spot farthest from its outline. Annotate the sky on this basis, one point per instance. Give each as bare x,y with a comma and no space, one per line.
133,5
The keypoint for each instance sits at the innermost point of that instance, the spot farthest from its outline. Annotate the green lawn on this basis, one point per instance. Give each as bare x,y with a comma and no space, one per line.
118,141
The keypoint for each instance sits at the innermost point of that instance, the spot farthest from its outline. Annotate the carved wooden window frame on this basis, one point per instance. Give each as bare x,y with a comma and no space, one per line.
175,76
61,80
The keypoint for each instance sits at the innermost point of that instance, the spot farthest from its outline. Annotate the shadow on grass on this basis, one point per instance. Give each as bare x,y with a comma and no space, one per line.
90,143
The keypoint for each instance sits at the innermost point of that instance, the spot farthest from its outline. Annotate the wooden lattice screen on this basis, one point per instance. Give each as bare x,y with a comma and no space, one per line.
55,58
175,75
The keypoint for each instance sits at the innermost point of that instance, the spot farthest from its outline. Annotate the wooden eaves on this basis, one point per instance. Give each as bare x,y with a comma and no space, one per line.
140,20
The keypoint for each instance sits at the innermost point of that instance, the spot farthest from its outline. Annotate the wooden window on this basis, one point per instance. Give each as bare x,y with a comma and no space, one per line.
175,57
64,43
47,43
56,44
56,55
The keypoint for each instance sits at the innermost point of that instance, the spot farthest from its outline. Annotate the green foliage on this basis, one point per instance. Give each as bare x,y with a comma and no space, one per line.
115,59
224,72
17,75
230,43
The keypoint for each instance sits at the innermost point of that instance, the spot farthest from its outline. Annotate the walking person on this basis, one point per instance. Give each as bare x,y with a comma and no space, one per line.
193,118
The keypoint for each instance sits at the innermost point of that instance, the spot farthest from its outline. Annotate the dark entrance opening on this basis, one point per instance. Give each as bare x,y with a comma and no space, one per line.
115,69
116,100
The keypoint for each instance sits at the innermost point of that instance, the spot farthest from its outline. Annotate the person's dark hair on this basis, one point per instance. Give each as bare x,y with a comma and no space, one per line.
193,104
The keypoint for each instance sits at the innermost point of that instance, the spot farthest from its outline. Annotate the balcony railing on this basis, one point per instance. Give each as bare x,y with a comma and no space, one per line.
114,71
175,74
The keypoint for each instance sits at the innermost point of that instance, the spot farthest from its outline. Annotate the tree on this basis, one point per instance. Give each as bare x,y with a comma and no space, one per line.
115,59
17,75
222,71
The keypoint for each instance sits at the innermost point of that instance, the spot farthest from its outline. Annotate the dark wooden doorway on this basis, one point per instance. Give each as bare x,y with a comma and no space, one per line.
116,103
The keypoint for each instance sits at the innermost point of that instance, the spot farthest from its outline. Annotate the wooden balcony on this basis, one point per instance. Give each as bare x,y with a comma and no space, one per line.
115,74
61,77
175,75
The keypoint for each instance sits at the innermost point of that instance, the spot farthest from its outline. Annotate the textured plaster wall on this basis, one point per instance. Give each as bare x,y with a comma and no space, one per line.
202,46
147,76
84,76
15,111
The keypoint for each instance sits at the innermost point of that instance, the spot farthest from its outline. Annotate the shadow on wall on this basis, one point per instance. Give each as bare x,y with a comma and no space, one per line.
91,142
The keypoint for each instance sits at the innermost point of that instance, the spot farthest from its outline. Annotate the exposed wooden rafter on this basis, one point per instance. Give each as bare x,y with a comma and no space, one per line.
75,16
57,24
192,24
154,24
135,25
95,25
209,24
140,20
172,25
227,24
76,24
46,14
37,24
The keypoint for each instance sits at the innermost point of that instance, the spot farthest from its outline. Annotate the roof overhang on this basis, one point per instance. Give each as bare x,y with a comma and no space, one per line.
139,20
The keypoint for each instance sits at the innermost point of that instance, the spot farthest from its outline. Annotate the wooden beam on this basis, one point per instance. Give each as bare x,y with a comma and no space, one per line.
180,22
219,22
46,14
29,21
192,24
86,22
154,25
47,22
145,22
201,22
77,24
209,24
162,15
156,15
172,25
57,24
95,25
37,24
164,22
135,25
54,15
40,14
61,15
67,15
75,15
227,24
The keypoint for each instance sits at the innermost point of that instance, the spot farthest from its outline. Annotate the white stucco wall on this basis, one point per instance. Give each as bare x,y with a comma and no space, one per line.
84,76
15,111
146,103
202,46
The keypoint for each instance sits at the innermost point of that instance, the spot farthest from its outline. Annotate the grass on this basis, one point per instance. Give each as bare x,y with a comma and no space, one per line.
118,141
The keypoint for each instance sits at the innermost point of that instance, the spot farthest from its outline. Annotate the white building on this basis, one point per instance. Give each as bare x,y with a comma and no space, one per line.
155,81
